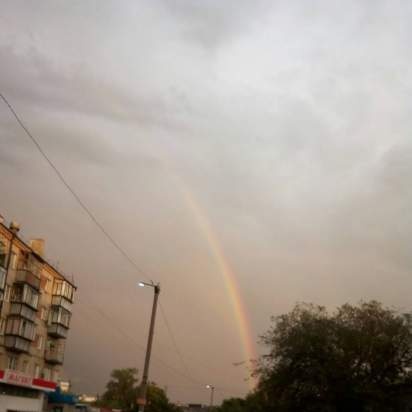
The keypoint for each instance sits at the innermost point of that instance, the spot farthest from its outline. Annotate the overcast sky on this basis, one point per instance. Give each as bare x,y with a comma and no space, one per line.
288,122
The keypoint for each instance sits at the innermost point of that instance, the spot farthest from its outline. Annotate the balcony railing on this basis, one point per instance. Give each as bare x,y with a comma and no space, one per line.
27,276
19,327
23,310
16,344
54,356
23,293
63,288
61,301
2,277
57,331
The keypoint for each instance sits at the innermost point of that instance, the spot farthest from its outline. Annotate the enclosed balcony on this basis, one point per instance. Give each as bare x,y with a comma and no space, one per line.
22,310
54,355
61,301
64,289
25,294
16,344
19,334
2,278
57,331
59,322
28,277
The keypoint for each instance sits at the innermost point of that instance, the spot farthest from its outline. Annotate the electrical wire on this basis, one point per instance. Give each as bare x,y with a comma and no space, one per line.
94,219
73,192
179,353
114,325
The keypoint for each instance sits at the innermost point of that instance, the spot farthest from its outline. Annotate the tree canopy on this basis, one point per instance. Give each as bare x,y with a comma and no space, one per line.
122,391
355,359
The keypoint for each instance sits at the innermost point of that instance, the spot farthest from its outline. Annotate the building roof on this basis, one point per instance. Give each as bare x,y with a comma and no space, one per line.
41,258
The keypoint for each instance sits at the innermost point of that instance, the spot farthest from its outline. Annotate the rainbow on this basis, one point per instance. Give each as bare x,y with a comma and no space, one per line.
232,287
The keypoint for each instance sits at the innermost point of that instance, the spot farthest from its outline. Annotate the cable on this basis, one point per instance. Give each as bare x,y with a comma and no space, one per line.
169,329
73,192
114,325
100,226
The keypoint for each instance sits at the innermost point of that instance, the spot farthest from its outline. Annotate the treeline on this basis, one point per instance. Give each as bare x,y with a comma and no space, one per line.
356,359
122,391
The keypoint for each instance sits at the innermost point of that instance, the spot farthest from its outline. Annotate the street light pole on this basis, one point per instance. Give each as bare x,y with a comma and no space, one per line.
143,387
212,394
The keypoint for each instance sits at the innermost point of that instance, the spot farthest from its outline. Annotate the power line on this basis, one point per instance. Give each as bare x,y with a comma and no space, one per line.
114,325
169,329
73,192
100,226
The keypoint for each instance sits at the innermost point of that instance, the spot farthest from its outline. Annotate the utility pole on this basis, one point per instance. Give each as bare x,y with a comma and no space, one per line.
141,401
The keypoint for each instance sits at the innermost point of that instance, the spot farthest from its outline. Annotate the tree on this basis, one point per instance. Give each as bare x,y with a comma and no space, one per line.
121,390
232,405
157,400
358,358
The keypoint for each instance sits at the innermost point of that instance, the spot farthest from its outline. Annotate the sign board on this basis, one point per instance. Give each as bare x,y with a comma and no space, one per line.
17,378
20,379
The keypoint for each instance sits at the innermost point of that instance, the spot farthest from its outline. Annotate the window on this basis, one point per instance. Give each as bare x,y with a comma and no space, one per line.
40,313
48,286
43,281
43,314
20,327
60,315
63,288
7,293
25,294
40,342
3,254
37,371
13,261
46,374
24,366
12,364
55,376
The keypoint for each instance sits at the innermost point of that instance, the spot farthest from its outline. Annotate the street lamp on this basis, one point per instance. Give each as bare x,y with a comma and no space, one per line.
141,401
212,393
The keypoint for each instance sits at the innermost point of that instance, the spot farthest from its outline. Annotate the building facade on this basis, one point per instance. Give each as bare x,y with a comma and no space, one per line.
35,312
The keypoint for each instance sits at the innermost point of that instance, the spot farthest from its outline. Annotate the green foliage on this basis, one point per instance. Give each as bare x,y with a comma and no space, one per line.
157,400
122,391
356,359
232,405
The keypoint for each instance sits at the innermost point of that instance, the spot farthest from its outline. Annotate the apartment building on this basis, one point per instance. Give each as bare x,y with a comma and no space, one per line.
35,312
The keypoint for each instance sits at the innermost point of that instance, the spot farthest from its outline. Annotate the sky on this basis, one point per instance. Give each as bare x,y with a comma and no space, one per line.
263,147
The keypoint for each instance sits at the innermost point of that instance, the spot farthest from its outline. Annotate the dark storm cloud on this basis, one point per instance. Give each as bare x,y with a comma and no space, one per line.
213,23
77,91
288,122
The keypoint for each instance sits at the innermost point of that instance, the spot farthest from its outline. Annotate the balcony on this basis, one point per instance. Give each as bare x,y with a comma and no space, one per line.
54,356
19,328
23,293
2,278
58,300
22,310
16,344
57,331
64,289
28,277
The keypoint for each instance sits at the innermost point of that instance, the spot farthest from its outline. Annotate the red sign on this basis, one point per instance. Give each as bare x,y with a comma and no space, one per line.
19,379
16,378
